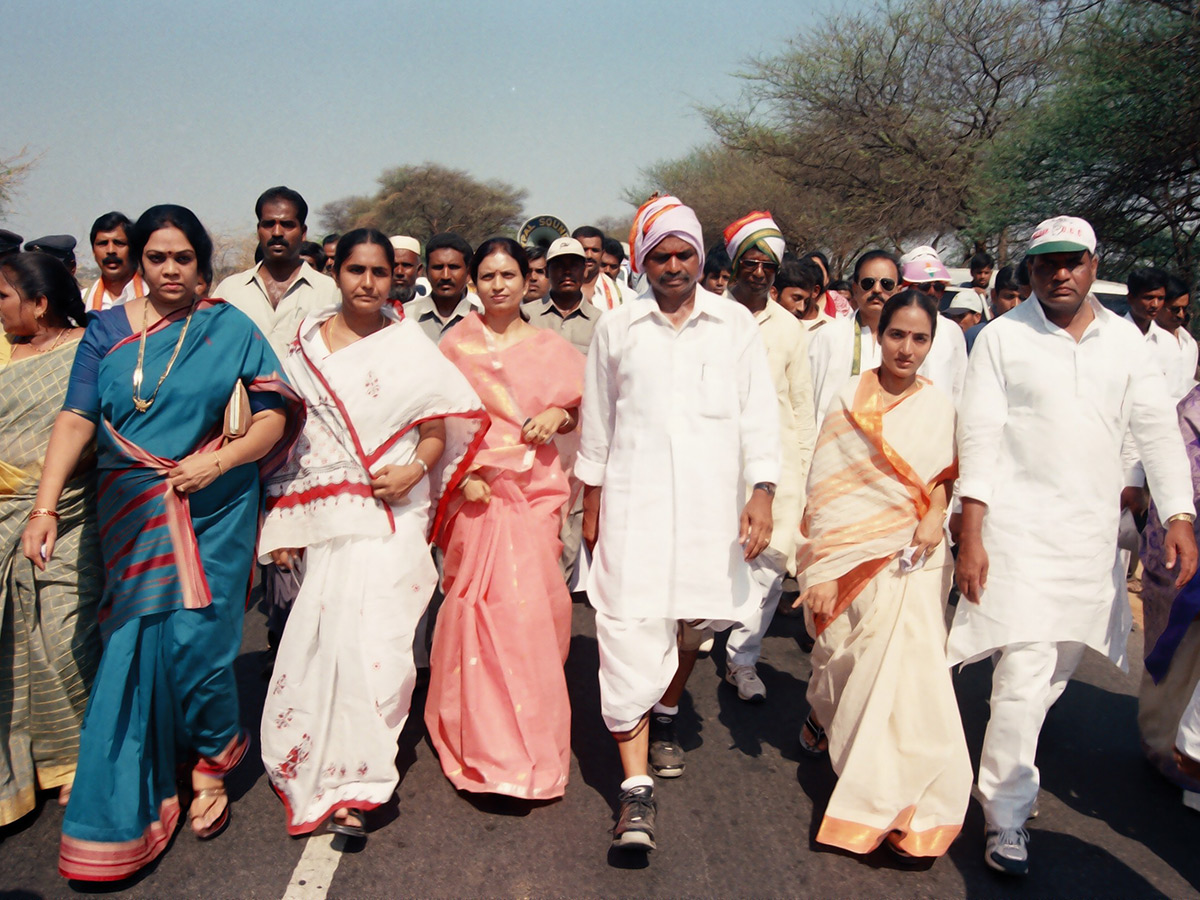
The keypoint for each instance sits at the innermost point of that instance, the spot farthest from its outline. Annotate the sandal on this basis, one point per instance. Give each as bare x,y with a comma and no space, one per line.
343,827
207,833
813,748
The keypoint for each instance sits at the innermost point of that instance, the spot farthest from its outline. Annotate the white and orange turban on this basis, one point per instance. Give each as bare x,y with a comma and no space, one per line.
754,231
659,218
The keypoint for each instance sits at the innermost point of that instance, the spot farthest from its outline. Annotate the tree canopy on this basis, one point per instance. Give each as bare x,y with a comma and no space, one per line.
423,200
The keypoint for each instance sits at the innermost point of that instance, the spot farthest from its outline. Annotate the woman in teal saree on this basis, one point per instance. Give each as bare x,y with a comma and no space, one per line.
178,510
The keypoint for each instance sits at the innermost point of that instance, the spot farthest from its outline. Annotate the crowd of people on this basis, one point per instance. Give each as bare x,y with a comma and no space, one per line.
423,452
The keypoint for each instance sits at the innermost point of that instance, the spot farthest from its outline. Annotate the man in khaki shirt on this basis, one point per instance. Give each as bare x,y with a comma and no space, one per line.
281,290
564,310
755,247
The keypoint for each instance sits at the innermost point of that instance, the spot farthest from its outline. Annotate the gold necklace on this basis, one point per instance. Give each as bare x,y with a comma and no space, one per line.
57,341
138,403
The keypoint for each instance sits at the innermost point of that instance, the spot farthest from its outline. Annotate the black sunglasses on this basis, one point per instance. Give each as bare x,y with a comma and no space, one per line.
886,284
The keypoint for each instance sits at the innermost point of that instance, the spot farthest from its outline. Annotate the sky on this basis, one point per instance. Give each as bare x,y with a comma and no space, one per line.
206,103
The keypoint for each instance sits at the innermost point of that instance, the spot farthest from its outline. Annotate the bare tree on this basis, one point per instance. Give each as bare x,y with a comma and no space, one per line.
888,113
13,170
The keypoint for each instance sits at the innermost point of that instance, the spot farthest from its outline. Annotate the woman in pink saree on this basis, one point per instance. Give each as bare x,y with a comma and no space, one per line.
497,710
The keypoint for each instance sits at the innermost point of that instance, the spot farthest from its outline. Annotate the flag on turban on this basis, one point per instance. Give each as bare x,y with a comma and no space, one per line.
659,218
754,231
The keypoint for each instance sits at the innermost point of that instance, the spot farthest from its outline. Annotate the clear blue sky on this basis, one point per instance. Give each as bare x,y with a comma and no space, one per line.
131,103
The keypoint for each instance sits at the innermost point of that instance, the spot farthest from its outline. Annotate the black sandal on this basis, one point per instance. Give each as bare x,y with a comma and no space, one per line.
357,831
813,748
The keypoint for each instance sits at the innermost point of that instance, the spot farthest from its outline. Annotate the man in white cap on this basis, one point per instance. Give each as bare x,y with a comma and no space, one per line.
1052,388
563,310
679,426
966,308
755,247
408,269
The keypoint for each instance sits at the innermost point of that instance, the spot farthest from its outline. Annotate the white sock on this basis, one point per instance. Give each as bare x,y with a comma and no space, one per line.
637,781
666,710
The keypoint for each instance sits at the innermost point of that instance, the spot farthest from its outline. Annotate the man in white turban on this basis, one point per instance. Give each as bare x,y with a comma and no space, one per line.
756,247
679,427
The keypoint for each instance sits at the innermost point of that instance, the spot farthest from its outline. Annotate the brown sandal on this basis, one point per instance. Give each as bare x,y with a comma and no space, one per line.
215,828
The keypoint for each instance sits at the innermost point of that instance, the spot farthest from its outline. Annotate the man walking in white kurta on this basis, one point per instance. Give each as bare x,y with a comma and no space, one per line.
755,246
1051,389
679,416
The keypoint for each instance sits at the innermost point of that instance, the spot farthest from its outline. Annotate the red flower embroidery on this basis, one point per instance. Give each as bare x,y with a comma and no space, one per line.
362,769
284,719
296,757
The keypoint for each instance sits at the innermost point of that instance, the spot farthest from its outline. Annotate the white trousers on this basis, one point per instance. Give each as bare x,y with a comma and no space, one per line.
1188,737
745,639
1026,681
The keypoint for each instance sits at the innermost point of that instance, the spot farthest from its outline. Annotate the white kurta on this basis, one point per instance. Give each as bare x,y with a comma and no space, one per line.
1164,350
1183,364
1039,439
675,424
831,357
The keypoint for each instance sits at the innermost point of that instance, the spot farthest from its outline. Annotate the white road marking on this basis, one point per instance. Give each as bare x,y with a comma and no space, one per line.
314,872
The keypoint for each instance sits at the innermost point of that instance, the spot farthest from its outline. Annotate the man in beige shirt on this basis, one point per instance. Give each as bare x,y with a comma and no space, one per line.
280,291
564,310
755,247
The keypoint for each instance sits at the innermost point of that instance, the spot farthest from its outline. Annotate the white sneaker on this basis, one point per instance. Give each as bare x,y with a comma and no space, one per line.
749,686
1007,850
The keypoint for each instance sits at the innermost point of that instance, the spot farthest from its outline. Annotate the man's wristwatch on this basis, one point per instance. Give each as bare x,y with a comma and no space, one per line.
1182,517
766,487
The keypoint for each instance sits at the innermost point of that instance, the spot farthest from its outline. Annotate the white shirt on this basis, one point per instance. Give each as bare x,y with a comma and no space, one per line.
424,312
308,292
1186,363
1039,441
676,424
831,357
97,298
607,295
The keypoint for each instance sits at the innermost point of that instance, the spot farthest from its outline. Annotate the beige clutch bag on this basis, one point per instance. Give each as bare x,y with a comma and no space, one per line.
237,413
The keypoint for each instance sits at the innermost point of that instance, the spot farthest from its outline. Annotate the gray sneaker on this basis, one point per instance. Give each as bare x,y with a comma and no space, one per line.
749,686
1007,850
666,756
635,821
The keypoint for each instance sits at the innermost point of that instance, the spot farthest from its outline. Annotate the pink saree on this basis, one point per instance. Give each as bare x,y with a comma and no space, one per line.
497,710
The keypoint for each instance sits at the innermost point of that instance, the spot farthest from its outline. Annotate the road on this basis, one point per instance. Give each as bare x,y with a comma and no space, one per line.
740,822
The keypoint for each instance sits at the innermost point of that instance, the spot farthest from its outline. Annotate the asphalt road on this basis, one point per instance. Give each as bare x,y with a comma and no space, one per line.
740,822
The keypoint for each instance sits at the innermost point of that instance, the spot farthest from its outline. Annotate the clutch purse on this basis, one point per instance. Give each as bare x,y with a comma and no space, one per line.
237,413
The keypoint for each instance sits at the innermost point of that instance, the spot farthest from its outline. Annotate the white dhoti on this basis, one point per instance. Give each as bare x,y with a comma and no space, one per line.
638,659
1027,680
344,674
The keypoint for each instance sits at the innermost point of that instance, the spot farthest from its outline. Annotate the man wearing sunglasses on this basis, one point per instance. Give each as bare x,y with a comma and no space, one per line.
847,347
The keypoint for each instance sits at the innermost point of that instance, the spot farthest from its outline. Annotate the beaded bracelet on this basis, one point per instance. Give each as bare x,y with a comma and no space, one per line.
42,512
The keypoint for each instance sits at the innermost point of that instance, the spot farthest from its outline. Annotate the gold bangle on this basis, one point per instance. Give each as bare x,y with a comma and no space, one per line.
217,460
43,512
1182,517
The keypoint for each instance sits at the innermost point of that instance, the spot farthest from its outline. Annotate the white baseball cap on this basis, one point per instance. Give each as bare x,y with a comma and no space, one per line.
565,246
966,300
1062,234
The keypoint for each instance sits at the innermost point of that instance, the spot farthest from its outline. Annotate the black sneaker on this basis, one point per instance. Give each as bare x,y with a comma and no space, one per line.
666,756
635,822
